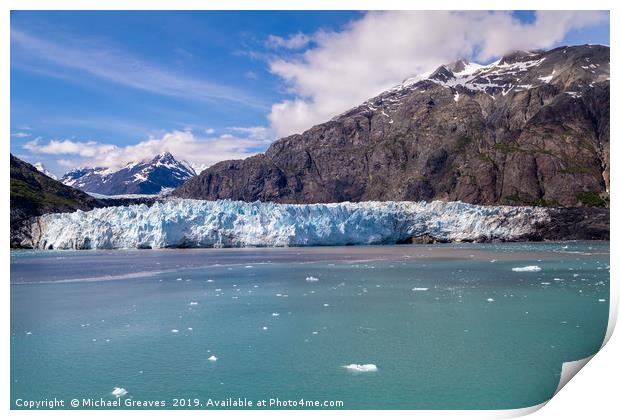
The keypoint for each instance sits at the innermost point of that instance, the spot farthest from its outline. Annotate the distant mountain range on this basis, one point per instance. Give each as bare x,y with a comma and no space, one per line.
529,129
152,177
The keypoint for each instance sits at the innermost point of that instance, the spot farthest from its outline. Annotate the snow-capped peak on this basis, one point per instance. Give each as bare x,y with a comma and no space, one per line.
146,177
44,170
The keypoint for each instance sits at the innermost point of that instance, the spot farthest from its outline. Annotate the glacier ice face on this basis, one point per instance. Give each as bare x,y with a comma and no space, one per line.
225,223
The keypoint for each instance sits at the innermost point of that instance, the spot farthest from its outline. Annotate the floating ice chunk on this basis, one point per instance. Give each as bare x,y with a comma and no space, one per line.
265,328
311,279
119,392
528,268
545,283
179,278
419,289
601,300
190,329
212,358
275,314
174,331
249,266
193,303
315,332
210,281
490,300
326,305
369,367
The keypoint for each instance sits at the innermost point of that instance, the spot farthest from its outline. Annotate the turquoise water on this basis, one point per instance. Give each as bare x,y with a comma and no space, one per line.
480,337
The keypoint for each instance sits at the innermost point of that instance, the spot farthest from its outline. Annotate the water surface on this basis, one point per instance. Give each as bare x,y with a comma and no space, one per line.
448,326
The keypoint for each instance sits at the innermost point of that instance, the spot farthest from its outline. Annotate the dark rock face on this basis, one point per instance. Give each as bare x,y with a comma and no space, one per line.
530,129
34,194
163,171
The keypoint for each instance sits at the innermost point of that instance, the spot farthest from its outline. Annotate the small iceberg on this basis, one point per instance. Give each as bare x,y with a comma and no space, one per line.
193,303
529,268
311,279
419,289
490,300
212,358
174,331
119,392
353,367
275,314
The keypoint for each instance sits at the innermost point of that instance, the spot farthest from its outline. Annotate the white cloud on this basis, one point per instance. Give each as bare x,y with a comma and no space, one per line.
382,48
68,163
293,42
182,144
20,135
87,149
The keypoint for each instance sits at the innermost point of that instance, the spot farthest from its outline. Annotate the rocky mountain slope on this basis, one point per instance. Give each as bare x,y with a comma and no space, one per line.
531,128
163,171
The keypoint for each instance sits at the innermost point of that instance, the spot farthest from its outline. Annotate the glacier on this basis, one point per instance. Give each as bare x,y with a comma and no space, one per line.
226,223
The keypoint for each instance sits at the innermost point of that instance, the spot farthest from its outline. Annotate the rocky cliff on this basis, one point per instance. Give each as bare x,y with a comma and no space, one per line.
531,128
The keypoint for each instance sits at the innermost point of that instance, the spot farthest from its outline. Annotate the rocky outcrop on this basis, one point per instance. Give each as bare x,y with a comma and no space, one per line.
530,129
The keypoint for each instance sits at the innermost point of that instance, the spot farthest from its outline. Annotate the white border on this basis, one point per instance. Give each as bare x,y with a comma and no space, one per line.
594,394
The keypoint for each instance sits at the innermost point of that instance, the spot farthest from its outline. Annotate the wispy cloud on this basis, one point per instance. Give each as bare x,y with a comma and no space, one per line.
20,135
32,53
292,42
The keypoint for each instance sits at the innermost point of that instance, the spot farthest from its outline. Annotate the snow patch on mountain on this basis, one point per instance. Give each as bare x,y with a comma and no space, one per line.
225,223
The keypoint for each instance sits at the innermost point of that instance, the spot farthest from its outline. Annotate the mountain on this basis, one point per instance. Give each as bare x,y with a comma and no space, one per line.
163,171
39,166
34,193
531,128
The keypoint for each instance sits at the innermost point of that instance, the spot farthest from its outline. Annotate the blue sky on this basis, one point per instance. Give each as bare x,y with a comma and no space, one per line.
99,87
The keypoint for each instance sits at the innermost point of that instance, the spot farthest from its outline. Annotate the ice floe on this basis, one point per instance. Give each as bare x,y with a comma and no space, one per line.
369,367
212,358
311,279
119,392
526,269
